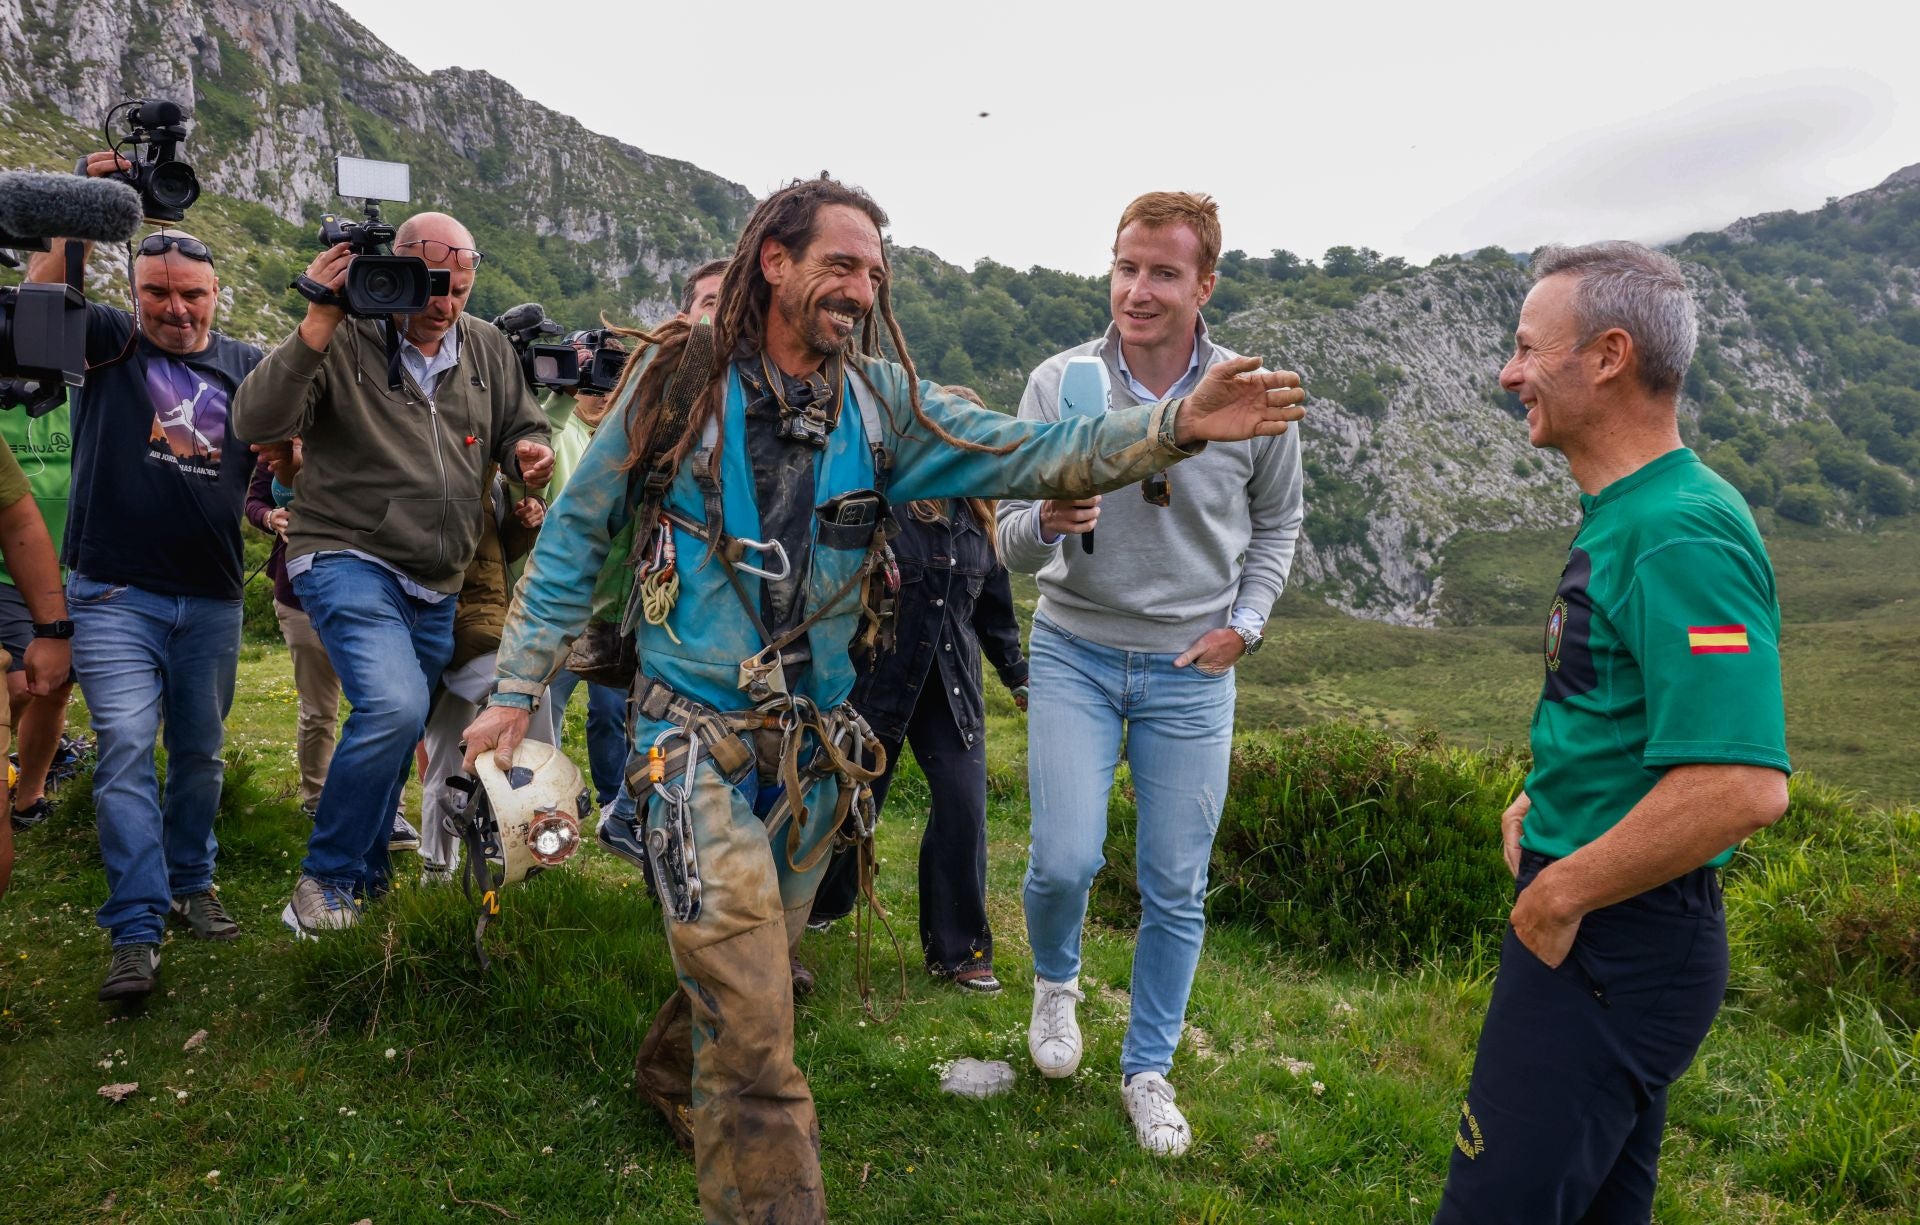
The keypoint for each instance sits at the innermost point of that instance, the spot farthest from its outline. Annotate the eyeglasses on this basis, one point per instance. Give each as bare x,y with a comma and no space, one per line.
160,244
434,251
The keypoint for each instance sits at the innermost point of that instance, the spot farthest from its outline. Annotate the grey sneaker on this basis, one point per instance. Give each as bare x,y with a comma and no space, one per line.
134,973
404,837
204,916
319,907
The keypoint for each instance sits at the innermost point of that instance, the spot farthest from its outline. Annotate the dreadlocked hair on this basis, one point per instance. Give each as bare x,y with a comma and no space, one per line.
789,217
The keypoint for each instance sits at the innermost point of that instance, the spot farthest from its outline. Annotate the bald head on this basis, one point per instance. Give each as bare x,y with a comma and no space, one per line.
178,296
444,243
438,226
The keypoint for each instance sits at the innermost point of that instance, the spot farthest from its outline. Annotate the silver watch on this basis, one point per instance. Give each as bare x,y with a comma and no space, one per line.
1251,638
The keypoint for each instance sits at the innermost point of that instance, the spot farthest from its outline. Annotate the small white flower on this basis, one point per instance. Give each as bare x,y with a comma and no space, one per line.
391,1052
1318,1088
213,1176
179,1095
546,1150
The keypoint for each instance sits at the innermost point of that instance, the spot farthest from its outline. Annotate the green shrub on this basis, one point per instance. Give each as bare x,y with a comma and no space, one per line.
1804,503
1823,906
1350,842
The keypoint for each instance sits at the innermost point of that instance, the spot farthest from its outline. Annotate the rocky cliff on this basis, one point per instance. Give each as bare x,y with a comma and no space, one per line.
1806,393
278,89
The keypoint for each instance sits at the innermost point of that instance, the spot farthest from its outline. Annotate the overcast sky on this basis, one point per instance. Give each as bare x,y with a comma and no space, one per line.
1413,129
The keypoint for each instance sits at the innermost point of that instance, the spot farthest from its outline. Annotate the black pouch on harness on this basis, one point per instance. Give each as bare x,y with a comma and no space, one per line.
861,521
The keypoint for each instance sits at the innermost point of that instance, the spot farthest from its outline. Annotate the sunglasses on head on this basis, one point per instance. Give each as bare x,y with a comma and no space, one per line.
160,244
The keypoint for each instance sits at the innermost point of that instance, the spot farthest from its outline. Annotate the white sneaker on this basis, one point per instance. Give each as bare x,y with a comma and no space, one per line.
1156,1120
1053,1036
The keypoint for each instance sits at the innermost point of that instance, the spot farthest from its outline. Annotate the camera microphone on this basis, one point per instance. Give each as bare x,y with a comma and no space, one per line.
39,206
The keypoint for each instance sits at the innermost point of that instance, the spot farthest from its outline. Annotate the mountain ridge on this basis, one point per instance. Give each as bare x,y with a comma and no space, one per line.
1805,393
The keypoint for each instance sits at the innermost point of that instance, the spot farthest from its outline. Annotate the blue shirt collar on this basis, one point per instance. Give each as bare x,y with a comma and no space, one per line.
1184,384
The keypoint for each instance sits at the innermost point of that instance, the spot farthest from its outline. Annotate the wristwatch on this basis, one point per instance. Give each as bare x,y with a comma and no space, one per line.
53,629
1250,638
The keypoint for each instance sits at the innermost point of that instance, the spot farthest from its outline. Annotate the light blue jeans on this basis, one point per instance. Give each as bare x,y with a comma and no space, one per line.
1178,726
149,662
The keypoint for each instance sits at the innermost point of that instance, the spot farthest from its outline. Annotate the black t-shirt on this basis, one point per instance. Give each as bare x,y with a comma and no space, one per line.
159,480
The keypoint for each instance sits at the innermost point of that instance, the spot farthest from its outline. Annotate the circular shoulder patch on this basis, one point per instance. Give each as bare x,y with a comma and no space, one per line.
1556,630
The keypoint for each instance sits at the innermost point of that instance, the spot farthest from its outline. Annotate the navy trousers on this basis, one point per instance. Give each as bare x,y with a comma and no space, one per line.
954,932
1562,1121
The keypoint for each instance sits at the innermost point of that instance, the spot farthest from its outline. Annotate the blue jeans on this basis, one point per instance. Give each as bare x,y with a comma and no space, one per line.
1179,735
606,731
389,650
149,662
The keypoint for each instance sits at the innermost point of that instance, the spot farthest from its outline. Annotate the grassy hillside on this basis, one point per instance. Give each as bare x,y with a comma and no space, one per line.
1850,652
377,1076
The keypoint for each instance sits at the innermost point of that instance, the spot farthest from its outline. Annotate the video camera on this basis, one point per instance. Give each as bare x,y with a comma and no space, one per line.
601,372
379,283
43,327
554,366
167,186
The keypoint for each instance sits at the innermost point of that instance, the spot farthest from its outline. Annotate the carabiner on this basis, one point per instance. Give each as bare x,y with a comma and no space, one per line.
775,547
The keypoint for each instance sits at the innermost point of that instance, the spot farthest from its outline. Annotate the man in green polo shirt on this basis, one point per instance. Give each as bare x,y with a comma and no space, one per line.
1659,743
44,448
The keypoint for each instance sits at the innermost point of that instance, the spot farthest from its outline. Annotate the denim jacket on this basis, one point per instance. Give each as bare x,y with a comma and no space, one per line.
1067,459
955,597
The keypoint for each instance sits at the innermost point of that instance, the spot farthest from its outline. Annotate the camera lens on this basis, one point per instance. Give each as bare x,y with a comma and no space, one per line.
382,284
173,185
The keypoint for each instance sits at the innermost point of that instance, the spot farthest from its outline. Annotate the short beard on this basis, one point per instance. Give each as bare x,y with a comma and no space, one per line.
806,323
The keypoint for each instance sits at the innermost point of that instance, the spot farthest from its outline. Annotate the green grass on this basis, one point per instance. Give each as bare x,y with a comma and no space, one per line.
296,1102
1801,1108
1850,604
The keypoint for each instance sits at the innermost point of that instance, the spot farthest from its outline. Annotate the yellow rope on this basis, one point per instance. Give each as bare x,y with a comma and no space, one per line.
658,592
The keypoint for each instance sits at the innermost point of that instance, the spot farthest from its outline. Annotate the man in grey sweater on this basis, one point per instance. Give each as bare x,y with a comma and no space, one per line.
1139,637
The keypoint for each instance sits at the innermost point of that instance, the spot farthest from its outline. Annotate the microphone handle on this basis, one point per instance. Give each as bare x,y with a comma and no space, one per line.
1086,542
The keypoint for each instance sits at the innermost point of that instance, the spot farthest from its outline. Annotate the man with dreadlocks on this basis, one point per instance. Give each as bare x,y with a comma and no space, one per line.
761,452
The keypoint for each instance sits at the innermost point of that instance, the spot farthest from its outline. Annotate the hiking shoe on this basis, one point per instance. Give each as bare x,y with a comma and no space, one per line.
308,808
133,974
404,837
205,916
1158,1123
435,874
821,925
803,981
318,907
33,814
623,836
1053,1036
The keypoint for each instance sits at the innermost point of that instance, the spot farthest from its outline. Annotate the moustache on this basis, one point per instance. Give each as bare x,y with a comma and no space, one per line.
844,306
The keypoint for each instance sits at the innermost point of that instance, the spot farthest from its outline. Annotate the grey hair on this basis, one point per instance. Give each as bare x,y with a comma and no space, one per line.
1634,288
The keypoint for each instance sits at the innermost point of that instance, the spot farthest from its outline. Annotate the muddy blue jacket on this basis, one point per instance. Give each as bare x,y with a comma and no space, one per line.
1067,459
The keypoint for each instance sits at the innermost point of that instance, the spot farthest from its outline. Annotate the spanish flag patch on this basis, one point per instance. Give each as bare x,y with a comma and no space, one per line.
1717,639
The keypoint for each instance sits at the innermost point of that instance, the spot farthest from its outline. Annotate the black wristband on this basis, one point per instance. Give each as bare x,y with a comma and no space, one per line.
53,629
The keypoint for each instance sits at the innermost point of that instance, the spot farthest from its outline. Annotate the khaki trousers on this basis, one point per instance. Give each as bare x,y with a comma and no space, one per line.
319,690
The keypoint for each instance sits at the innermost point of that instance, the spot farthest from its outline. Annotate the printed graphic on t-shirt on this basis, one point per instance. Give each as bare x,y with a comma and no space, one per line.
189,417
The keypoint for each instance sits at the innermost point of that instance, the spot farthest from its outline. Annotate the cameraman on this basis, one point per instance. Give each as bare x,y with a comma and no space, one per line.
402,419
155,576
